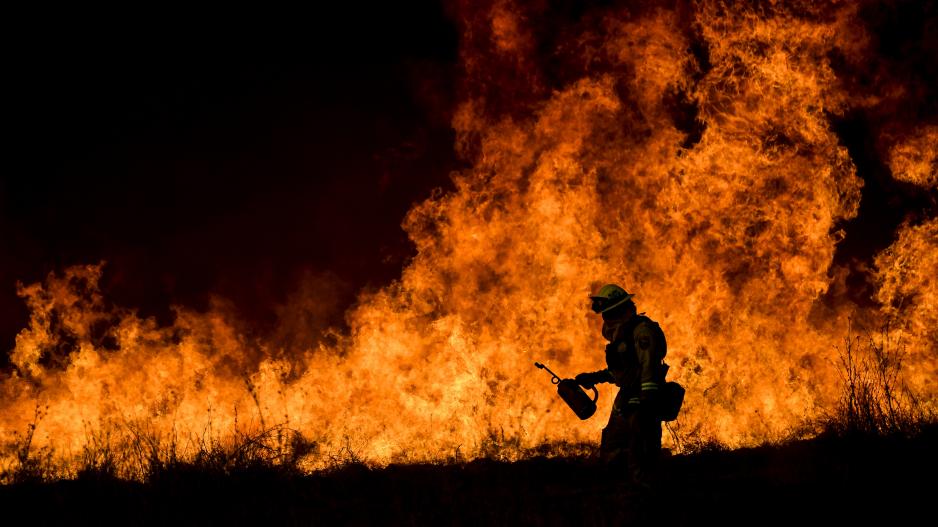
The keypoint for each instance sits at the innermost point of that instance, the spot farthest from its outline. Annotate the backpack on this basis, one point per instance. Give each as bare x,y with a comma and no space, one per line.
671,398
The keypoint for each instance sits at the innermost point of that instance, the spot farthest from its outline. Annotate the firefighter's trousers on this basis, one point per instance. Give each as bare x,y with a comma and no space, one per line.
632,440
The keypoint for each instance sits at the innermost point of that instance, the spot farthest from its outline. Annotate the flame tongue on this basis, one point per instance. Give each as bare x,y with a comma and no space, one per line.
724,228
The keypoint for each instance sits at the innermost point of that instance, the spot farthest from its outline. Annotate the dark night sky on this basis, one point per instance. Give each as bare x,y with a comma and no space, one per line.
223,153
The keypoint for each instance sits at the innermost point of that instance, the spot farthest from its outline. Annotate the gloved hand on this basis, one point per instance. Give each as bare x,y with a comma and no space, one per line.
586,380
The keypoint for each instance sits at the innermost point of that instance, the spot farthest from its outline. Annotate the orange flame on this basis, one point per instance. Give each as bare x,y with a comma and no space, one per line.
915,160
727,239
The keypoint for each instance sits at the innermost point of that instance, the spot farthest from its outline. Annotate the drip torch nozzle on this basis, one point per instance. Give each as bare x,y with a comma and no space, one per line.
554,378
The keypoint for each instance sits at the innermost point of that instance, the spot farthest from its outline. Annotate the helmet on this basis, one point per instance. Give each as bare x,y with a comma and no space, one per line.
608,297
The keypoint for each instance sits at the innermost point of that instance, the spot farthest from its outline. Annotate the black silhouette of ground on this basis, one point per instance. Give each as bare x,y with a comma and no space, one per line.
858,480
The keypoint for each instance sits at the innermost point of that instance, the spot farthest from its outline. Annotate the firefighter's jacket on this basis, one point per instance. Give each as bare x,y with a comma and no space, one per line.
634,357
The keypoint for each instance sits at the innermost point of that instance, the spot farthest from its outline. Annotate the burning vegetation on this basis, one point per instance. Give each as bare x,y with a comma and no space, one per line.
683,149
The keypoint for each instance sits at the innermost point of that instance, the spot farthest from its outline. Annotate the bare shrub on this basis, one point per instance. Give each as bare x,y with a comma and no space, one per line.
28,465
875,399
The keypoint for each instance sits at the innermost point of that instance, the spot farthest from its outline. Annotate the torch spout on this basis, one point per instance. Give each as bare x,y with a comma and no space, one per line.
555,379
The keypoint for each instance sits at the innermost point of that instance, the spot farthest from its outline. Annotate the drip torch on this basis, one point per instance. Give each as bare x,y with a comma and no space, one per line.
573,394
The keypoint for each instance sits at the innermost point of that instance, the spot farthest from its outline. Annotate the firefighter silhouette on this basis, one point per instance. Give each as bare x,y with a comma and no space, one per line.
634,362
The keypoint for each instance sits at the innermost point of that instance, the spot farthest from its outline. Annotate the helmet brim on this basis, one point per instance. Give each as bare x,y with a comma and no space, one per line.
621,301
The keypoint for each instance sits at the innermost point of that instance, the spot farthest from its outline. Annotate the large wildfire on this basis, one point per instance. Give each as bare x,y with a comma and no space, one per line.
687,153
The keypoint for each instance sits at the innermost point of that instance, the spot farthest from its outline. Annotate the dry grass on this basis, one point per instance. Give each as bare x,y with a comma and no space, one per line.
130,451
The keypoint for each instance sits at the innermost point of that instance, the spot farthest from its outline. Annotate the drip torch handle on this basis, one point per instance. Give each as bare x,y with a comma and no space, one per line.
554,378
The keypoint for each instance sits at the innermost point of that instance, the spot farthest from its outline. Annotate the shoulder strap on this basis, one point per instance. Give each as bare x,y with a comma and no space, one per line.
626,332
